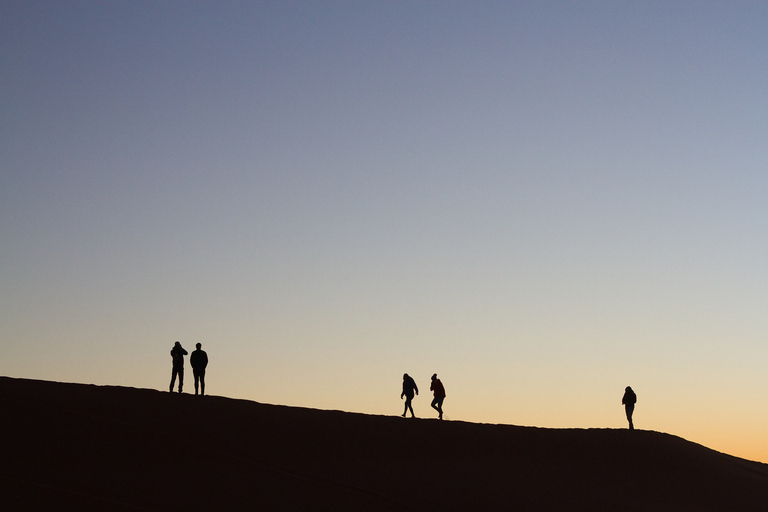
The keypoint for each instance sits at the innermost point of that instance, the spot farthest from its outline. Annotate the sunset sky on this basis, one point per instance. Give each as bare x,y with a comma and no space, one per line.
543,202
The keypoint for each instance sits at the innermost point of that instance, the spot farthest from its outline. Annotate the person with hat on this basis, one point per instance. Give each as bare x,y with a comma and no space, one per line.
199,360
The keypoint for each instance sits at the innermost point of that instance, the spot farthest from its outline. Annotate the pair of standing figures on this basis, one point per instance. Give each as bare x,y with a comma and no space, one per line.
198,360
409,388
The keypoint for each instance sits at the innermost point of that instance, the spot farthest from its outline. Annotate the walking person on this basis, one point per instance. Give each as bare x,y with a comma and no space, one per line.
409,387
629,401
439,391
177,355
199,360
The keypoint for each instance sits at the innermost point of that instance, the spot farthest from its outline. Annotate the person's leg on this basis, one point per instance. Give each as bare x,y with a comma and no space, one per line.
181,378
440,407
173,379
436,406
196,375
410,407
407,403
202,382
630,409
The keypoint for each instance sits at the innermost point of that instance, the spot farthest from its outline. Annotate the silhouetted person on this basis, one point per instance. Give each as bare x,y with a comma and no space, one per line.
629,401
439,390
409,387
177,354
199,360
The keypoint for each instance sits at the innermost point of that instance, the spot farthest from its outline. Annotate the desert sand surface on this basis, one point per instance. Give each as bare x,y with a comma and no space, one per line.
84,447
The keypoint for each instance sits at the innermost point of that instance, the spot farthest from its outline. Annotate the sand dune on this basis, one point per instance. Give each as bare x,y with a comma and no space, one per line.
82,447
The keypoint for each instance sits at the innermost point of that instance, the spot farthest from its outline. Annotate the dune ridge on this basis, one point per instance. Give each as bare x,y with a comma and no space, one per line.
85,447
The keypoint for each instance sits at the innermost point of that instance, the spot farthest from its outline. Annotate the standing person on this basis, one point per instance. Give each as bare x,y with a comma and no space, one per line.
437,402
629,401
199,360
177,354
409,386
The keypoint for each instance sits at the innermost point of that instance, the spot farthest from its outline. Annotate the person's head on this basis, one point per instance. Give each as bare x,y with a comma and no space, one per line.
628,388
405,376
177,344
199,345
434,376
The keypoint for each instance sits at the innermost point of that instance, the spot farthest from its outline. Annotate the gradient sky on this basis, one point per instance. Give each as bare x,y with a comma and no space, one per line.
543,202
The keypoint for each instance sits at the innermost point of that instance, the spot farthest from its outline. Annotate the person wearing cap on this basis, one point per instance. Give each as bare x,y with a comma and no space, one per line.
199,360
439,391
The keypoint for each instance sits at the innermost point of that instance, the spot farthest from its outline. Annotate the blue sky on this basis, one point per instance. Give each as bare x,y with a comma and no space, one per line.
543,202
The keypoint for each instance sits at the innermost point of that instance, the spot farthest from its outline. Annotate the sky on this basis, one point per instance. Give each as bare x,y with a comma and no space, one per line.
542,202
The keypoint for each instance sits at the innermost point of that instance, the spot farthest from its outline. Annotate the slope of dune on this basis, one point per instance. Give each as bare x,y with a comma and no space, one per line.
83,447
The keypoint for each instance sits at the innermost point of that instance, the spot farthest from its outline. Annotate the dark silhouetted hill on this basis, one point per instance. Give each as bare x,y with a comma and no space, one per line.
83,447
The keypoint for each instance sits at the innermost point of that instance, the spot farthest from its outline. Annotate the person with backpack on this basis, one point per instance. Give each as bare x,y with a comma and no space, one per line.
409,387
629,400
